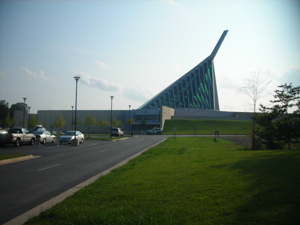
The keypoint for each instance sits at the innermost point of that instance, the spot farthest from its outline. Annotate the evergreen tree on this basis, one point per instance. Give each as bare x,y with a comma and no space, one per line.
277,126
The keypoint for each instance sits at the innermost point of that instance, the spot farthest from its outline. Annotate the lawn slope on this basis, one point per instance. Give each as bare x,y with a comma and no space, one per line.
207,127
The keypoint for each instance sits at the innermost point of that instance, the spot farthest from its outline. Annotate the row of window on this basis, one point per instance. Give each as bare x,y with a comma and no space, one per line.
194,90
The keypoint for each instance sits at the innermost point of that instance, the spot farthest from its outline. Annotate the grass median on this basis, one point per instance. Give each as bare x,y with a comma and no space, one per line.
191,180
11,156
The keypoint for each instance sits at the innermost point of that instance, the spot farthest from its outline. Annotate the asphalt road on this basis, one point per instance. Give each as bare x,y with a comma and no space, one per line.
24,185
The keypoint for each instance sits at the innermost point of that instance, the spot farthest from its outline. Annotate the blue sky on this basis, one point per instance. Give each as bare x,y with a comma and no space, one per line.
134,49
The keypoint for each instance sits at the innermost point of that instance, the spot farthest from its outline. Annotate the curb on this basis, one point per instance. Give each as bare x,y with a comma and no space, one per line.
18,159
52,202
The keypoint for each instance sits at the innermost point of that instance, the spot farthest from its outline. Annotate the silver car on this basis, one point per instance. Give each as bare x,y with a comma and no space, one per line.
69,135
44,136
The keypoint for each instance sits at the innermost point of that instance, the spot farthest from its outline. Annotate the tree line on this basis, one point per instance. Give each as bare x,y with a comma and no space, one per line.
7,113
7,119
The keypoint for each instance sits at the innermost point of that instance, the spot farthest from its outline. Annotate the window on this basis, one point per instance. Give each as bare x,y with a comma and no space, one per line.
186,101
167,99
190,92
176,97
180,95
161,99
171,98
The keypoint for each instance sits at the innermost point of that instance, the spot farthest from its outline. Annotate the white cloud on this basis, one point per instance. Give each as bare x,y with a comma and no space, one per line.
171,2
291,76
97,82
2,74
139,94
102,65
177,67
25,72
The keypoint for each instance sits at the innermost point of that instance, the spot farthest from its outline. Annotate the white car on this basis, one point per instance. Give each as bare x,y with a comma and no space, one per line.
44,137
69,135
155,131
116,132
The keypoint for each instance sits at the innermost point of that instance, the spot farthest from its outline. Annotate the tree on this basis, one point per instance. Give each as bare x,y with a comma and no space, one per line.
4,109
130,122
17,106
8,122
45,124
143,123
102,123
89,121
116,123
59,123
32,121
277,126
253,86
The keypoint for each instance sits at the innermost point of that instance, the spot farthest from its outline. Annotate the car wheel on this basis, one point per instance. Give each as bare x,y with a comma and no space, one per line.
17,143
148,133
44,141
53,140
60,143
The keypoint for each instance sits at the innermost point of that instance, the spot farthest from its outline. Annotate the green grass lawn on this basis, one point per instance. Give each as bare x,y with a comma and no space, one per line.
207,127
10,156
190,180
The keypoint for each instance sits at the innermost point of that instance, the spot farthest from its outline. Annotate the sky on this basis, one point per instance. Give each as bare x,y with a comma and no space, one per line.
133,49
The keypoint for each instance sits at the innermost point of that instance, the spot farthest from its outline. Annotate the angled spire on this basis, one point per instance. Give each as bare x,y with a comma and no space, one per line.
216,49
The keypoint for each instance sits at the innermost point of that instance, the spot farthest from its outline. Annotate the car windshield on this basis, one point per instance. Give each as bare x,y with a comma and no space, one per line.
69,133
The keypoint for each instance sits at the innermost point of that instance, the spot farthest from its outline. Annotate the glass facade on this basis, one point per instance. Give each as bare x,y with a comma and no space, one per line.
195,89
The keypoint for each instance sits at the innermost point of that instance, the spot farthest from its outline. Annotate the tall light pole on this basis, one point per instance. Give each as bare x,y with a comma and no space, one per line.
76,78
28,116
129,119
72,118
111,114
24,112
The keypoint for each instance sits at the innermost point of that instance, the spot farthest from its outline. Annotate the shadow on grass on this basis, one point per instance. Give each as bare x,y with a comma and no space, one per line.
273,187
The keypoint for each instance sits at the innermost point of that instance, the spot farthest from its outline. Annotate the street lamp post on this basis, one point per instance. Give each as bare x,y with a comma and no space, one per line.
129,120
24,112
72,117
111,114
28,117
76,78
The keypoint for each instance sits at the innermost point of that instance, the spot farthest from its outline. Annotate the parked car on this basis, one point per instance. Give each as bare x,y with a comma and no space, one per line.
116,132
44,137
155,131
37,128
17,136
3,132
69,135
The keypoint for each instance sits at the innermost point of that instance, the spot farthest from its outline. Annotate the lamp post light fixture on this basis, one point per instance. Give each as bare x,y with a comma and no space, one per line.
72,118
129,120
24,112
111,115
76,78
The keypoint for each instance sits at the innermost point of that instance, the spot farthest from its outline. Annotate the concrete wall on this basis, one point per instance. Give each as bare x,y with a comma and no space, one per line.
166,114
19,115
